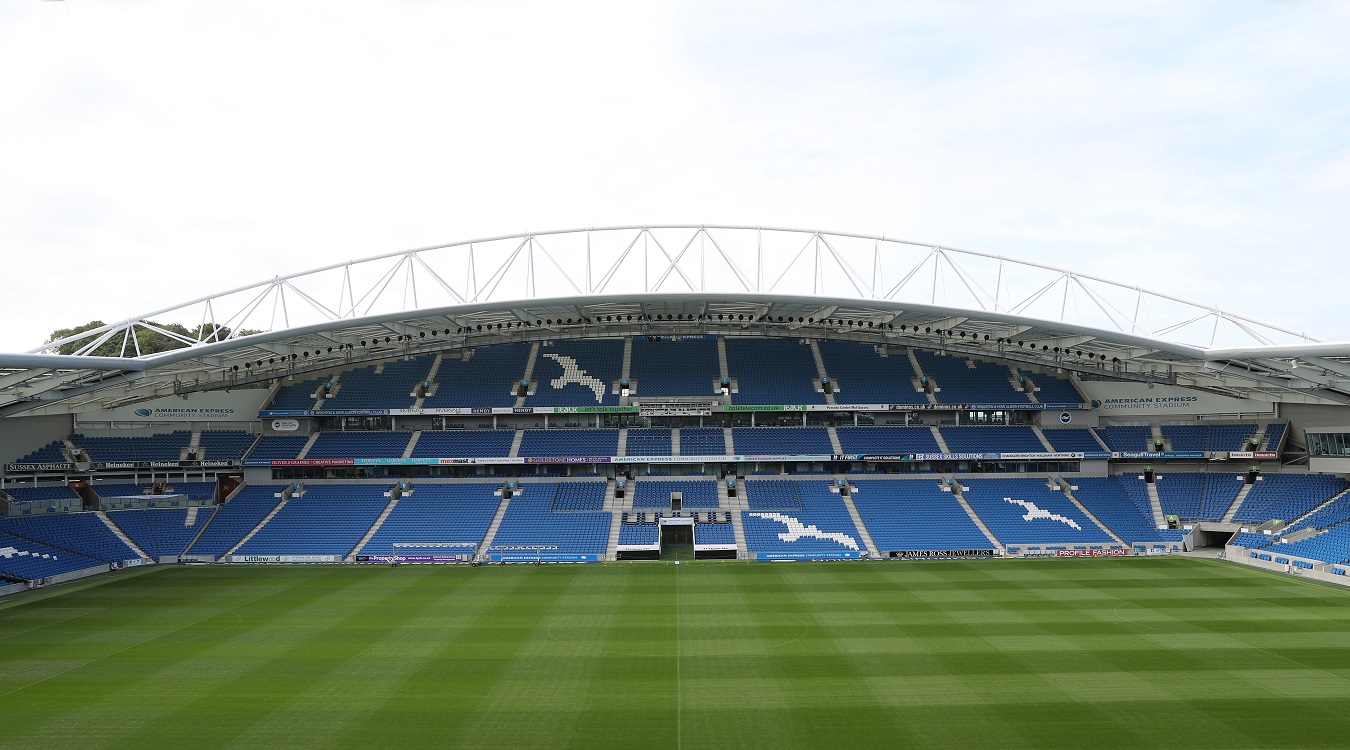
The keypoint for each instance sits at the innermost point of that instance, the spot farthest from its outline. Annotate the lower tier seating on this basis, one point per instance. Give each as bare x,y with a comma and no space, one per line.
821,526
915,515
1025,511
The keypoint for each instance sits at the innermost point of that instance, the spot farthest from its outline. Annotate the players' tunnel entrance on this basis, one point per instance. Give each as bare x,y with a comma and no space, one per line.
677,539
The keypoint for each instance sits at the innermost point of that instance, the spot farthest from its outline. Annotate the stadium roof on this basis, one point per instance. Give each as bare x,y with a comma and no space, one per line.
677,280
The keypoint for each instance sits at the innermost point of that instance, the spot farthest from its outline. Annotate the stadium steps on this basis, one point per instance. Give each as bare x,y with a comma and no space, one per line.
723,371
194,446
285,498
320,397
1068,492
858,523
308,444
675,441
627,372
1155,502
412,443
528,374
737,523
726,437
117,531
1259,436
820,370
1156,435
622,450
492,529
942,443
515,444
394,496
430,377
202,528
918,375
1040,435
1333,499
834,440
1098,438
1237,502
957,489
615,521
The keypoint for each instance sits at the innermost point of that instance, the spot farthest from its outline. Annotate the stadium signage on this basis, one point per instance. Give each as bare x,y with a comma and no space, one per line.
794,408
54,466
1259,455
314,462
411,558
940,554
1113,552
841,555
285,425
676,410
164,464
691,459
283,558
1158,454
1154,398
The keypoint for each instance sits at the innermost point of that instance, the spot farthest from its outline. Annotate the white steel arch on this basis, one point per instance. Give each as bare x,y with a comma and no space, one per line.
700,259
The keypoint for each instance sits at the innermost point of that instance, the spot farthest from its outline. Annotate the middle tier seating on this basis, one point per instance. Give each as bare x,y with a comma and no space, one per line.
1025,511
1072,440
648,441
703,441
887,440
156,447
915,515
365,444
993,439
655,493
765,441
464,444
569,442
277,447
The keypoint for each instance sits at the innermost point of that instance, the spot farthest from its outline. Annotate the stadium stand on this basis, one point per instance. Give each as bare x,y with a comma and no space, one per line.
778,532
866,377
225,445
915,515
487,378
1331,546
577,373
463,443
390,388
1052,389
674,367
236,518
47,454
529,521
1251,540
276,447
569,442
1072,440
970,381
1287,496
364,444
37,494
325,520
157,447
655,493
1115,506
1026,511
1012,439
702,441
886,440
763,441
82,533
1274,436
29,560
644,441
1126,437
1207,437
773,371
584,496
714,533
297,396
437,514
161,531
639,533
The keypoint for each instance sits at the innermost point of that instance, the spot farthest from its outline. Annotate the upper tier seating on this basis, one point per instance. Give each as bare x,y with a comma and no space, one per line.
1031,514
529,520
372,444
1287,496
276,447
714,533
1011,439
655,493
773,371
236,518
915,515
297,396
437,514
674,367
777,531
866,377
1207,437
37,494
392,388
161,531
326,520
577,373
26,559
488,378
1198,496
1114,506
1072,440
970,381
648,442
1127,438
224,445
703,441
82,533
1052,389
47,454
765,441
1274,436
887,440
569,442
464,443
159,447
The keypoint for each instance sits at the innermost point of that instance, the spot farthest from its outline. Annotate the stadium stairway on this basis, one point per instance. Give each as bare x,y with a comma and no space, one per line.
616,521
675,441
496,524
412,444
201,528
394,494
117,531
736,506
857,520
285,497
919,374
1314,511
821,373
1237,503
726,437
1155,502
957,489
515,443
1067,485
623,442
1040,435
942,443
626,372
304,451
527,375
834,440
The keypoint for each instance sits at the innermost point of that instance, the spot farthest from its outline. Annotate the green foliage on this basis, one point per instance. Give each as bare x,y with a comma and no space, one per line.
148,340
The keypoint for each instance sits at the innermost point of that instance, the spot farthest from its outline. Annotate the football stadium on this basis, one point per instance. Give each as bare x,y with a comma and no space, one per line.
677,486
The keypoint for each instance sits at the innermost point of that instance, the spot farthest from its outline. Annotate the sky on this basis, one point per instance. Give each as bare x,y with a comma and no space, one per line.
153,152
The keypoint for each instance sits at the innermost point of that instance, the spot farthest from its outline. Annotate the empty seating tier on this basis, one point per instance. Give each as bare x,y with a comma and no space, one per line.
773,371
766,441
887,440
970,381
915,515
569,442
865,377
1015,439
161,531
577,373
655,493
822,527
1026,511
82,533
326,520
674,367
437,514
464,444
530,521
487,378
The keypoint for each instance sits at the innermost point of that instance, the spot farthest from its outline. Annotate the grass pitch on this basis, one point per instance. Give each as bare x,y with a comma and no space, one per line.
991,654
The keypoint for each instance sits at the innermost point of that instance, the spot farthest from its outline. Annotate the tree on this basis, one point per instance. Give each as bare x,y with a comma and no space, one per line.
148,341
